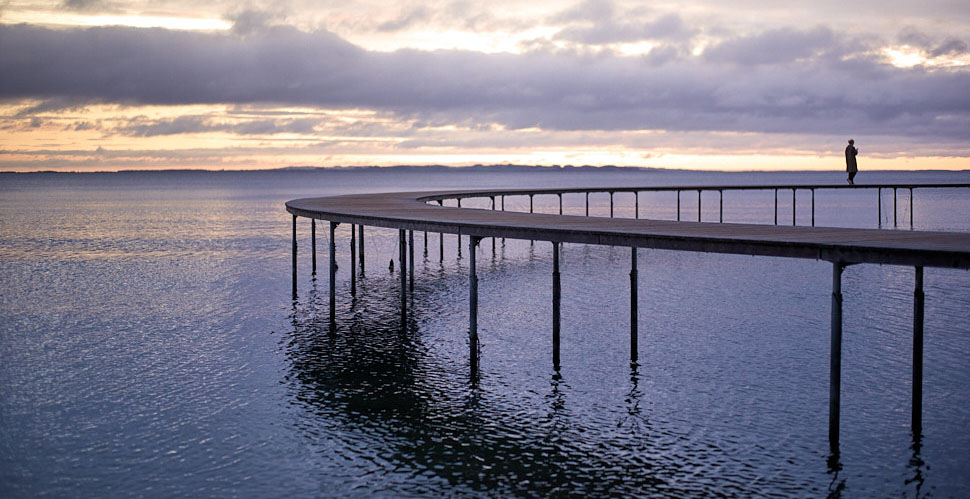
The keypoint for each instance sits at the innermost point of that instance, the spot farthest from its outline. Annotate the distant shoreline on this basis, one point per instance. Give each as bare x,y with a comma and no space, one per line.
506,168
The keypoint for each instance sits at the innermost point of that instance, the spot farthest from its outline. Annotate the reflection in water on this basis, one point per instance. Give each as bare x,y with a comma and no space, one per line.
424,425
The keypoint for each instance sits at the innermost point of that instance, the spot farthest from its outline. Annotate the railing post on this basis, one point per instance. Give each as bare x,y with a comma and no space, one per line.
678,205
459,234
895,222
611,204
560,203
835,359
636,204
587,204
720,202
313,243
441,238
793,205
918,299
634,306
776,206
698,205
556,295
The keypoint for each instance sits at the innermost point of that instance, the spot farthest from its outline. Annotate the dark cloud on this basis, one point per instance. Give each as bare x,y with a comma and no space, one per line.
773,47
827,91
143,127
598,22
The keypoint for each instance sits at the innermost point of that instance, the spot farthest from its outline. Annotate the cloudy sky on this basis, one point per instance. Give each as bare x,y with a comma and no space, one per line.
747,84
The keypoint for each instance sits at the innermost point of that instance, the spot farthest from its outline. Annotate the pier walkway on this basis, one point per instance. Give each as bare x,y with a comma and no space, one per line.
425,211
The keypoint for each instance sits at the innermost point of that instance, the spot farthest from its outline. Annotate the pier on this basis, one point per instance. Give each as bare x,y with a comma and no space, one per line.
426,212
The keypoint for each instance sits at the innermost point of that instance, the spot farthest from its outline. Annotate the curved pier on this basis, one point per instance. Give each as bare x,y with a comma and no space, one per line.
425,211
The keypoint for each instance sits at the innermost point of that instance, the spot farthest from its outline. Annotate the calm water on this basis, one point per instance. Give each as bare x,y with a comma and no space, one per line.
149,346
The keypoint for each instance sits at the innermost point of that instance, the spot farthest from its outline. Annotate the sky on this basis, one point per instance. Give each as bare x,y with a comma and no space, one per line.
91,85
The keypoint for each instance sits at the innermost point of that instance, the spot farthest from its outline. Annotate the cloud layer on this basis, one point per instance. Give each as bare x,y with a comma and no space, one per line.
785,80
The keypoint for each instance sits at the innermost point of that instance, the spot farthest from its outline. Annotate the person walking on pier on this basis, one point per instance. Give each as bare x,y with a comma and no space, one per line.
850,164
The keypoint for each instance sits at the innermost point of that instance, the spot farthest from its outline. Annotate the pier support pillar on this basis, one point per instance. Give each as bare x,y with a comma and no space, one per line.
313,243
473,303
403,266
360,247
353,260
333,277
918,299
294,257
835,360
411,261
556,295
634,309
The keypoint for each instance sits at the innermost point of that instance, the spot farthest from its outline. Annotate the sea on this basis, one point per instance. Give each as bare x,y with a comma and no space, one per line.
151,345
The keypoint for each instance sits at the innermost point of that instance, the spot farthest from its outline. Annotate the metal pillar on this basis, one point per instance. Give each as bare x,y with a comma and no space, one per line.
910,207
294,257
895,223
403,261
459,234
473,302
634,315
587,204
835,360
793,205
776,206
333,277
360,247
530,202
411,260
636,204
313,243
678,205
560,203
918,300
720,202
353,260
698,205
556,295
425,243
611,204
